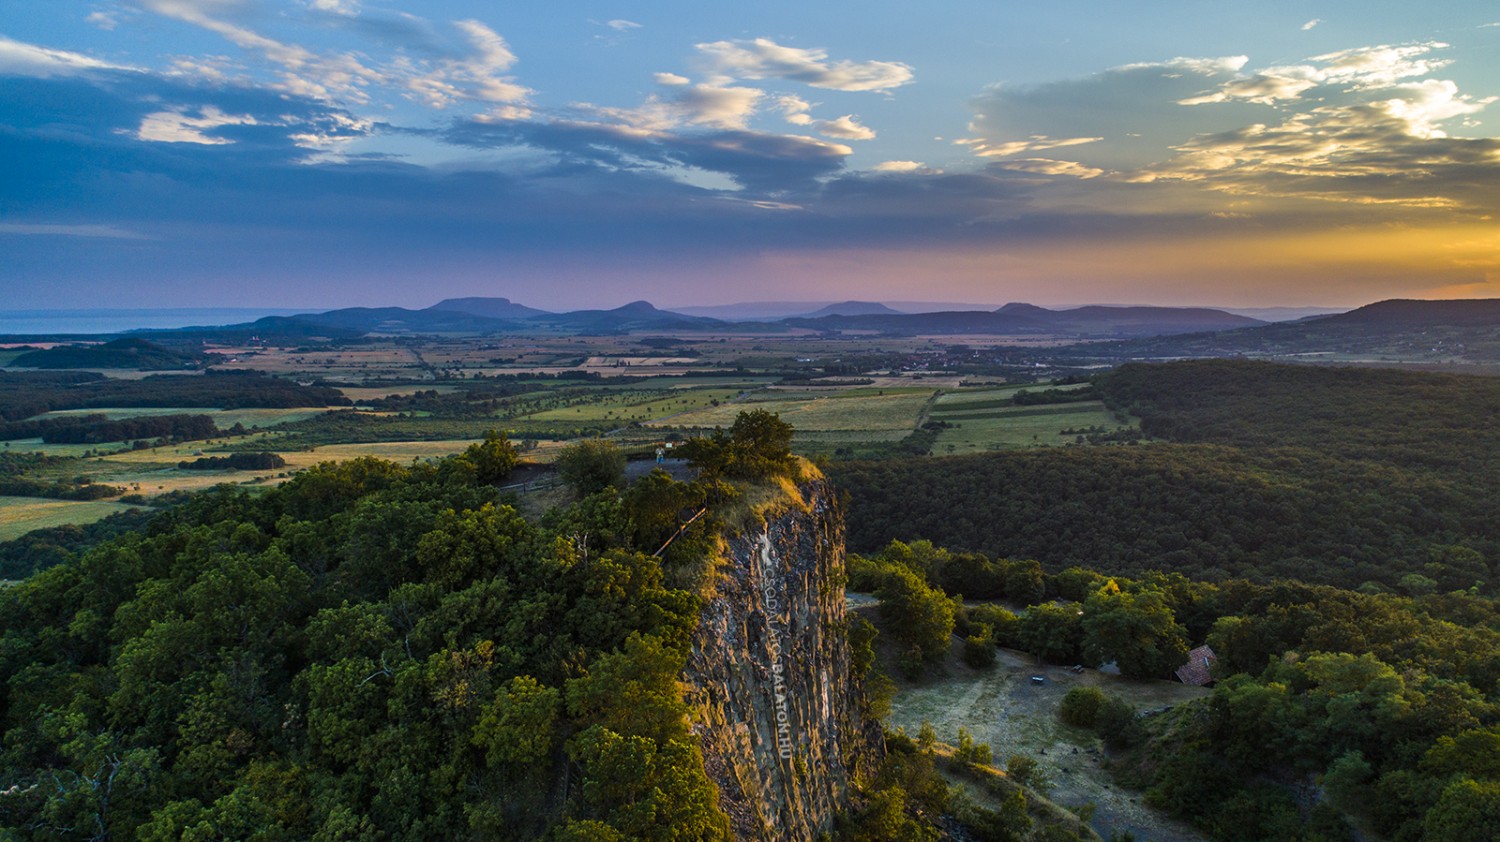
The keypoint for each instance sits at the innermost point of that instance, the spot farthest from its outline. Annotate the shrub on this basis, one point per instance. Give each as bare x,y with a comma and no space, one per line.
591,465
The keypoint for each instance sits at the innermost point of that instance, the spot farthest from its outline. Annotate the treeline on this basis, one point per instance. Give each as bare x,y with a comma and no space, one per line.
1025,397
40,549
31,393
17,479
1337,714
247,461
1275,472
129,352
368,651
97,429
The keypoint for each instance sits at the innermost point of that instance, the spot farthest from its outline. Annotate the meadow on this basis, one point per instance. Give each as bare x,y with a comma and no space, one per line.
19,515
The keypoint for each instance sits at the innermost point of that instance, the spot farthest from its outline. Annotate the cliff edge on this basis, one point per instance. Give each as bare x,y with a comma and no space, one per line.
777,707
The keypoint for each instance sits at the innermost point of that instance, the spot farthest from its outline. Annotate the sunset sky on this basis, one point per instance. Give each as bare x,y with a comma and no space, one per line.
323,153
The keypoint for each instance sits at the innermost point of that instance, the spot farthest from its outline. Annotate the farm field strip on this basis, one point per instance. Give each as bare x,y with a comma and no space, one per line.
634,406
824,413
1020,411
223,418
19,515
1029,429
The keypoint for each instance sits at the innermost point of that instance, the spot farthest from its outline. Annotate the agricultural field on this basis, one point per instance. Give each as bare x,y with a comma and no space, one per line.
847,397
223,418
19,515
818,412
1003,428
636,405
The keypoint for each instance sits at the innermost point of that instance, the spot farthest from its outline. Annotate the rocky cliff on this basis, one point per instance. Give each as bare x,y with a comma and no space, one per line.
777,707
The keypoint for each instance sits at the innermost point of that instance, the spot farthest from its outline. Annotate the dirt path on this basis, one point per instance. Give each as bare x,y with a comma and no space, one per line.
1001,706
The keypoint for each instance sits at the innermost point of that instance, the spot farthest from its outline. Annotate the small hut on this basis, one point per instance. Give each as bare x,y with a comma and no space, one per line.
1198,671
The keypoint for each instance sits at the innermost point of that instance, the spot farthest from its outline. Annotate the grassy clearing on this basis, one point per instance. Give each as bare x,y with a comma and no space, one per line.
19,515
822,412
1030,426
1001,707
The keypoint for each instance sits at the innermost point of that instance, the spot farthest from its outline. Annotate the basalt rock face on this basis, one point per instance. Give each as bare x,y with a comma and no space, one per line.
777,707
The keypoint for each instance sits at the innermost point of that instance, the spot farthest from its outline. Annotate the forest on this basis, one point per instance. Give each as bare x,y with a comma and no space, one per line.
370,651
98,428
1361,478
24,394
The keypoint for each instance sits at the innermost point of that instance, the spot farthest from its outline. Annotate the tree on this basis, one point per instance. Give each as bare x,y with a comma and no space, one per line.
1136,631
919,617
493,458
1468,811
756,446
1051,632
1080,707
591,465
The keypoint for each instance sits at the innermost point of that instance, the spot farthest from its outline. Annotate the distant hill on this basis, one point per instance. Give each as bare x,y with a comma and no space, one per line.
853,308
1459,330
130,352
1406,312
490,308
1017,318
637,315
402,320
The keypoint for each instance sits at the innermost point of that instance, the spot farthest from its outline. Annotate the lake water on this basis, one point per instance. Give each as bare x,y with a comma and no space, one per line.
115,321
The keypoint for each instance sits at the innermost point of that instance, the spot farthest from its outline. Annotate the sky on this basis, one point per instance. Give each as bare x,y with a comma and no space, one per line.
327,153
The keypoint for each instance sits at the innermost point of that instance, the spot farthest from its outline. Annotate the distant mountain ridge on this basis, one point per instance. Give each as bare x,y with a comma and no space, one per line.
1018,318
501,315
491,308
1447,329
1457,312
853,308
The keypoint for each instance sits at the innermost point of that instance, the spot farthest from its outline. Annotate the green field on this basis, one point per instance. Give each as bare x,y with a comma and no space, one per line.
19,515
819,412
1020,426
223,418
635,405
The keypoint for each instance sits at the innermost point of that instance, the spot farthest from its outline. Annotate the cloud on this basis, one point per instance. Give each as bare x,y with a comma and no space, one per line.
18,58
1035,143
1120,119
1310,24
1371,67
304,72
106,21
795,110
475,72
110,232
622,25
338,7
898,166
844,128
478,76
1050,166
763,58
687,105
670,79
178,127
